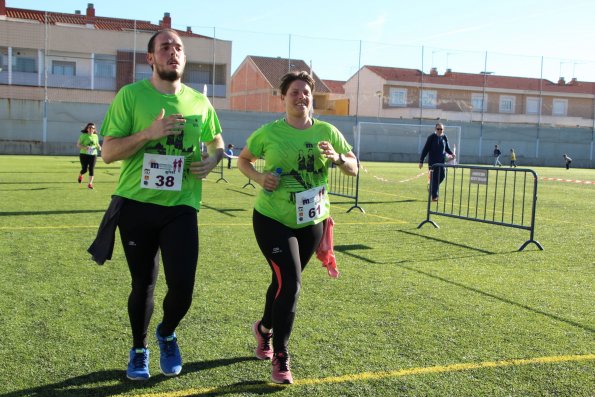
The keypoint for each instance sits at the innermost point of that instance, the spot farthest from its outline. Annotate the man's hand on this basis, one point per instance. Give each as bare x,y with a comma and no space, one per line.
202,168
164,126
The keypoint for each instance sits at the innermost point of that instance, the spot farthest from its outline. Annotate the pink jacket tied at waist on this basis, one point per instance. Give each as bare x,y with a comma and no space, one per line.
325,251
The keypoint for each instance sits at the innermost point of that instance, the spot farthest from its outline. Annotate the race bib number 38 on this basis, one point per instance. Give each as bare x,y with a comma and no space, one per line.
310,205
162,172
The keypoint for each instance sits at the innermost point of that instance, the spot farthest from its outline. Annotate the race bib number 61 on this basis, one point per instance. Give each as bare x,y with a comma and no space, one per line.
310,205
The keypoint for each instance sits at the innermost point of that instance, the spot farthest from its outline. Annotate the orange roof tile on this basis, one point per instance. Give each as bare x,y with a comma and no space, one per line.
101,23
336,86
273,70
478,80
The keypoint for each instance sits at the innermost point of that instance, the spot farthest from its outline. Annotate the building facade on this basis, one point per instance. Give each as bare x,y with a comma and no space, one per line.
84,58
411,94
255,87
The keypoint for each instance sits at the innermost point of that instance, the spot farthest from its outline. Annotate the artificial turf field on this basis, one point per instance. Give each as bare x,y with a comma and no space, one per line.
454,311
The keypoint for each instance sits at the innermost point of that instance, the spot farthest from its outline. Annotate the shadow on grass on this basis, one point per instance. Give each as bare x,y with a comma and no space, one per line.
382,202
89,385
250,193
499,298
447,242
16,213
346,248
224,211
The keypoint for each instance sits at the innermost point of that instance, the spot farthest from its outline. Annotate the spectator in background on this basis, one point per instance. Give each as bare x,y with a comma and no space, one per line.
88,143
512,158
568,160
229,155
436,148
497,154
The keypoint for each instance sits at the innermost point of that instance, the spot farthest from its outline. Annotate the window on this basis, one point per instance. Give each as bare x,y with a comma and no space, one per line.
143,72
105,66
429,99
559,107
533,105
507,104
479,102
64,68
23,64
198,73
397,97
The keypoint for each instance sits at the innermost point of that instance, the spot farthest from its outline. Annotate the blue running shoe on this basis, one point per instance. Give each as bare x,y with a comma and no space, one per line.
138,366
170,361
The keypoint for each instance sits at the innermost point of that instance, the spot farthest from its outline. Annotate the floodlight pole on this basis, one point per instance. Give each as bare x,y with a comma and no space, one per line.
421,87
483,99
539,113
44,133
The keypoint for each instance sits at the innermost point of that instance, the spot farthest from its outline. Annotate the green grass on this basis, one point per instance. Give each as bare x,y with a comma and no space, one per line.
416,312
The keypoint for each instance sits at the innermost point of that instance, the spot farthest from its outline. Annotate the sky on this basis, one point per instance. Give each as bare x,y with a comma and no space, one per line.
526,38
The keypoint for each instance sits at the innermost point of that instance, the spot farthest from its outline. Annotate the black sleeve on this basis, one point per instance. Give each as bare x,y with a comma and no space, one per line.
426,149
447,147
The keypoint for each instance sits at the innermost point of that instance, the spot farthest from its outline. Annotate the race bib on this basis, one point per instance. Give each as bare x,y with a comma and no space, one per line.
91,150
162,172
310,205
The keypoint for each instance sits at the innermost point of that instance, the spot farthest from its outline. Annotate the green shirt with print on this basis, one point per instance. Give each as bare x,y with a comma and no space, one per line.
89,140
134,108
303,166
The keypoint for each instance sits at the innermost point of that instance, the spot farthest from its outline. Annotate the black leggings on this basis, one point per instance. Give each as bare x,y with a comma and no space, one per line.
287,251
438,175
88,161
145,229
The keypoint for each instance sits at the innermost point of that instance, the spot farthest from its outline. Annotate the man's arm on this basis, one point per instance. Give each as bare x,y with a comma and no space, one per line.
215,149
124,147
425,151
447,147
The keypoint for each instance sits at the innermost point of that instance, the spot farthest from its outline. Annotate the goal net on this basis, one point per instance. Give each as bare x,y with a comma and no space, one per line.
394,141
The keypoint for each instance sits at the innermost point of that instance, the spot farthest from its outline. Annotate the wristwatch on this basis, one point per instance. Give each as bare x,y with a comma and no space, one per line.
341,160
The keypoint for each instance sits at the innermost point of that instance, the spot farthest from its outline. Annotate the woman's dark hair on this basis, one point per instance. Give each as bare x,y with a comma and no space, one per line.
87,127
293,76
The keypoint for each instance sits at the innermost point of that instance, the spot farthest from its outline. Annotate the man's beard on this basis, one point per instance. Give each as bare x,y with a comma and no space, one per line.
172,75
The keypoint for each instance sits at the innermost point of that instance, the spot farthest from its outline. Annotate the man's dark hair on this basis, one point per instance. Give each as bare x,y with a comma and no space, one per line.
151,45
290,77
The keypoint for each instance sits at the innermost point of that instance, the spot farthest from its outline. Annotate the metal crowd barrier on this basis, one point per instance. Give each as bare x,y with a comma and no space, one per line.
343,185
494,195
219,172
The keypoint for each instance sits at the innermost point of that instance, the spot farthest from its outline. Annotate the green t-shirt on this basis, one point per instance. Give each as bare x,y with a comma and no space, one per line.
134,108
87,140
296,152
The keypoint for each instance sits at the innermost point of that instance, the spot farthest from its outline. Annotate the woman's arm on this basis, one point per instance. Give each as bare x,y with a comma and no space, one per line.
246,161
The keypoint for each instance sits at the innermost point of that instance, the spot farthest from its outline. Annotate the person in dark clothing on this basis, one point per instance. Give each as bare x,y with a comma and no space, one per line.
568,160
436,148
497,154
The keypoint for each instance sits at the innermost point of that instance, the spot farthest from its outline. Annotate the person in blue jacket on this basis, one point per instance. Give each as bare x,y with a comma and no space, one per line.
436,148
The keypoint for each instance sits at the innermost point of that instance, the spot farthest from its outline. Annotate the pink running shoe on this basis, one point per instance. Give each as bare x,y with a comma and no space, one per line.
263,349
281,371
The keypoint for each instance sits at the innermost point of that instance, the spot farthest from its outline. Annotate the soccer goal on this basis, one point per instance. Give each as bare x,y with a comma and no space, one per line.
393,140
